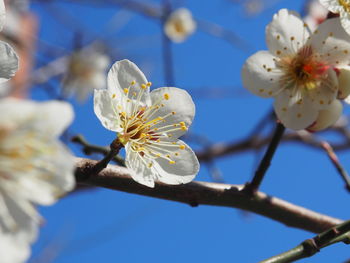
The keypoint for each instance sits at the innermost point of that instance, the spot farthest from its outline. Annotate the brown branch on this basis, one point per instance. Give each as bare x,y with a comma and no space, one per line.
204,193
255,143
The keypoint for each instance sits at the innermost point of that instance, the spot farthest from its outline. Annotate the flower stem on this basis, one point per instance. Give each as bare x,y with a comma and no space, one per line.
115,147
253,186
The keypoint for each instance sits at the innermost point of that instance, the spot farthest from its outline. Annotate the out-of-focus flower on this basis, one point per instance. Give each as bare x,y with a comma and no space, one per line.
179,25
86,71
8,57
148,125
300,70
35,168
341,7
316,14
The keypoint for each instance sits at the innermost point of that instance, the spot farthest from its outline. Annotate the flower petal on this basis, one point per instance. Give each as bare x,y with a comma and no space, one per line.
327,117
323,95
15,243
183,171
105,108
178,102
286,33
332,43
52,118
294,113
126,78
2,14
49,118
8,62
138,169
344,83
332,5
260,75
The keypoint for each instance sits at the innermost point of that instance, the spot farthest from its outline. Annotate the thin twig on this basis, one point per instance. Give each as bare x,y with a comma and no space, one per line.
312,246
166,46
253,186
115,147
204,193
89,149
334,159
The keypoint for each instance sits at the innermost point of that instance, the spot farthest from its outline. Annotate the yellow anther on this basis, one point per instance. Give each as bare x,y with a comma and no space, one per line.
173,112
150,165
166,96
126,90
182,147
171,162
176,154
184,128
132,82
182,123
134,94
113,96
168,155
143,86
149,84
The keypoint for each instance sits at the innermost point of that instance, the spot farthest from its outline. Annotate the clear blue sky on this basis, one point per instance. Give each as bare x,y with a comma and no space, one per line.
108,226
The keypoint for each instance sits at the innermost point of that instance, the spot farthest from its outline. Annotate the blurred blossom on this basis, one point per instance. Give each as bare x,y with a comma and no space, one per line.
315,14
35,168
341,7
148,125
179,25
8,57
300,70
86,71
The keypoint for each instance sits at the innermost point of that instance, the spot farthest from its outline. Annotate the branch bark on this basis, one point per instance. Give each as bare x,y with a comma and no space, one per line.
205,193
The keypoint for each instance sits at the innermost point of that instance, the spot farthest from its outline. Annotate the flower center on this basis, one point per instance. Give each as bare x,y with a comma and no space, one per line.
345,4
304,69
148,131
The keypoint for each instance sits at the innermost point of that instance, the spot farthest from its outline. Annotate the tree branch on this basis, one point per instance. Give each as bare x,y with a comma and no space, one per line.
204,193
310,247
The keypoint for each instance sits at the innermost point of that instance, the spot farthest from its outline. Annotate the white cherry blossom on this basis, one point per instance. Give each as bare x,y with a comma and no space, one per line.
341,7
35,168
86,71
8,57
180,25
301,68
148,125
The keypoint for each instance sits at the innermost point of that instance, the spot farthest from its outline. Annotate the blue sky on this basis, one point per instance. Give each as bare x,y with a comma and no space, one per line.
107,226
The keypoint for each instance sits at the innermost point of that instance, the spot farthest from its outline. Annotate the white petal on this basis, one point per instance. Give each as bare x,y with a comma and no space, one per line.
332,43
323,95
293,115
344,83
8,62
120,77
332,5
52,118
49,118
183,171
179,102
52,177
2,14
327,117
345,21
138,170
105,108
260,75
286,33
